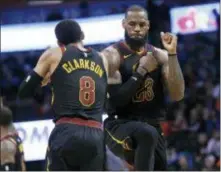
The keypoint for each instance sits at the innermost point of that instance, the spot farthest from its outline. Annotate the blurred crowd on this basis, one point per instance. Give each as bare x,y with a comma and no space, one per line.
192,129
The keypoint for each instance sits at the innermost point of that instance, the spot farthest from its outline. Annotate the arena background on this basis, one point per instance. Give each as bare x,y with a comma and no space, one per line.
192,129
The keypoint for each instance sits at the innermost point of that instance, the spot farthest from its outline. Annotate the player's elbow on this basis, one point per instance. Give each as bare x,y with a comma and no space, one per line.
177,96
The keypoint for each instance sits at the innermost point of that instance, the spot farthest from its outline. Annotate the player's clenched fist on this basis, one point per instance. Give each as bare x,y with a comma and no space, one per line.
169,42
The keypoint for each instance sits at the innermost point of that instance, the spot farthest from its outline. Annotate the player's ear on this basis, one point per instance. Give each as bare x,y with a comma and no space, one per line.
82,35
124,23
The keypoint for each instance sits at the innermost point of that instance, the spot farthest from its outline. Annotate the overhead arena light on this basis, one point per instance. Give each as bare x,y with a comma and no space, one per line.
38,36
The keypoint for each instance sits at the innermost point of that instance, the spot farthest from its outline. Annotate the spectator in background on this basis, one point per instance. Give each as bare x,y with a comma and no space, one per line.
183,164
194,122
209,163
180,122
214,144
198,161
11,149
180,164
202,143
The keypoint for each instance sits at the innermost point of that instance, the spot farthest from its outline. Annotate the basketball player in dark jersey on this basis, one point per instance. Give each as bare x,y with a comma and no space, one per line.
78,78
137,97
12,155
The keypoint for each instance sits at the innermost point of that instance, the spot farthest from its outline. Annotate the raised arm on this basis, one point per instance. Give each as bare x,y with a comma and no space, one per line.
171,70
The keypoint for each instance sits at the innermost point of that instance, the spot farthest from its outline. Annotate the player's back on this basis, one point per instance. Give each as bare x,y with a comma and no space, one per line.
79,84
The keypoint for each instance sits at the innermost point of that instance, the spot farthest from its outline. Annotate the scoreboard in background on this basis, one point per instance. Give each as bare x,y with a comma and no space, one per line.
35,135
193,19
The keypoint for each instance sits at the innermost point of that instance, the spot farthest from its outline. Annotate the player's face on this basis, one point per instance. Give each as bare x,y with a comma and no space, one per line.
136,25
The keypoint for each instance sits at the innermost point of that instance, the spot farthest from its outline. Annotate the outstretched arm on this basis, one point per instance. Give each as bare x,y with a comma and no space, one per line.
33,80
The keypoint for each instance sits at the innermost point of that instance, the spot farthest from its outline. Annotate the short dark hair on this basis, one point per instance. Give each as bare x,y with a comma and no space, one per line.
68,31
5,116
135,8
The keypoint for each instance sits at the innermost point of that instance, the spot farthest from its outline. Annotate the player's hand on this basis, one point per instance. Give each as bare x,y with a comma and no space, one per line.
147,64
169,42
46,80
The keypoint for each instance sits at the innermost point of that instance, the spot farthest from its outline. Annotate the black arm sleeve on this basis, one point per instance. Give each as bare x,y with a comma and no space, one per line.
29,85
125,92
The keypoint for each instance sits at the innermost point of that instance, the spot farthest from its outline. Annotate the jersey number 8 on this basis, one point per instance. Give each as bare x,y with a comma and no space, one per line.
87,91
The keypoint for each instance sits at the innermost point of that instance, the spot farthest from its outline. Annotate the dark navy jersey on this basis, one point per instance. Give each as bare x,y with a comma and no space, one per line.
79,85
148,102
